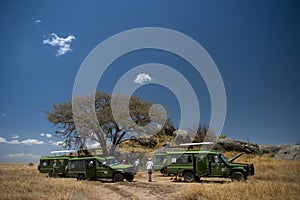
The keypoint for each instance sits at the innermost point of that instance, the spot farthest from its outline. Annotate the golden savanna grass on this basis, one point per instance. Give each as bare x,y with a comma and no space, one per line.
274,179
19,181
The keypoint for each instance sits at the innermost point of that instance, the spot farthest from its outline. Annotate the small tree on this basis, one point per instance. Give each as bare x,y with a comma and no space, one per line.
223,136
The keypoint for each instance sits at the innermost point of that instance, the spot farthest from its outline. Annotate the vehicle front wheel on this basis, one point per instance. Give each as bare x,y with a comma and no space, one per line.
118,177
129,178
189,176
80,177
238,176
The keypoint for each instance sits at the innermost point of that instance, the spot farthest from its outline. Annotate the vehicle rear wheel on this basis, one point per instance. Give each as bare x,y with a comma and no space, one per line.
80,177
238,176
189,176
164,172
118,177
50,174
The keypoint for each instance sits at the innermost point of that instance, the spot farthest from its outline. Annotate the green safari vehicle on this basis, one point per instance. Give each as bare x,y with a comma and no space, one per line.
160,164
194,164
94,167
62,157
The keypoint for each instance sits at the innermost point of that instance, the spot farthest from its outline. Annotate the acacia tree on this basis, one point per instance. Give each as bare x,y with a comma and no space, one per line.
107,129
203,134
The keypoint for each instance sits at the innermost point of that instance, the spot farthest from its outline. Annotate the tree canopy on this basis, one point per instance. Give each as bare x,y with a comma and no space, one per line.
112,124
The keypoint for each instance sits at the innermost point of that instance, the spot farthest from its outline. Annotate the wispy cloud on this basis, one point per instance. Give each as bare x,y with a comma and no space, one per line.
25,142
63,44
3,115
31,142
142,78
37,21
15,137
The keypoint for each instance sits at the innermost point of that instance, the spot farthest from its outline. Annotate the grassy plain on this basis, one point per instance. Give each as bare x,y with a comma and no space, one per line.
274,179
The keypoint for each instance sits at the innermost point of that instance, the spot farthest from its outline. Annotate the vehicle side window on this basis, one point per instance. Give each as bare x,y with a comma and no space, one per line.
90,164
159,159
78,164
200,157
175,158
182,158
214,159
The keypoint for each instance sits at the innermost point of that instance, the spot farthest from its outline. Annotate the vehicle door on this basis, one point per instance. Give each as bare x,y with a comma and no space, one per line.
174,162
217,166
90,168
202,167
103,170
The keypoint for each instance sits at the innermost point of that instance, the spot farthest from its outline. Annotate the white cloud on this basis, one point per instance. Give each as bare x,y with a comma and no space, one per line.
25,142
3,115
31,142
37,21
46,135
2,140
63,44
58,143
20,157
93,145
13,142
15,137
142,78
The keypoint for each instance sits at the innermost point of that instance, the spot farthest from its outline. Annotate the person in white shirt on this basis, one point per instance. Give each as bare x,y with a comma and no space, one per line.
136,165
149,166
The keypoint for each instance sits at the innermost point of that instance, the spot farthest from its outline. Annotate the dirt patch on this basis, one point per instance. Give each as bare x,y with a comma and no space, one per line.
160,188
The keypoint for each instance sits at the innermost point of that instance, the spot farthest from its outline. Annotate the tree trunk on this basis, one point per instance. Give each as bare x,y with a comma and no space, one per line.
102,142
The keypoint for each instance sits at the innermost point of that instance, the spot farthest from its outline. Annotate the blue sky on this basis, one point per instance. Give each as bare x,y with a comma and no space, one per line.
255,45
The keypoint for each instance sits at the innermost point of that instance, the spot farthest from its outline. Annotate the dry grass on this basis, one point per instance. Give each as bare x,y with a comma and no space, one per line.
250,190
19,181
274,179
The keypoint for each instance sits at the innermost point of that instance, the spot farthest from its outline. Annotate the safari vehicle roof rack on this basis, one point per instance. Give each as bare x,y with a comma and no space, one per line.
186,146
195,143
62,152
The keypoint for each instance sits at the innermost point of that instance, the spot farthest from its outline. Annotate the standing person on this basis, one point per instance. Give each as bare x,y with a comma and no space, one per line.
136,165
149,166
56,167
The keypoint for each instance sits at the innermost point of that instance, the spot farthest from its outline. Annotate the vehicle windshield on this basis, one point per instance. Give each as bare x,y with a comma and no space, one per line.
224,158
112,161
